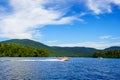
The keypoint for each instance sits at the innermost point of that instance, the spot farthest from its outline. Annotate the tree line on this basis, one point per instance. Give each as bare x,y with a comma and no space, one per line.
17,50
108,54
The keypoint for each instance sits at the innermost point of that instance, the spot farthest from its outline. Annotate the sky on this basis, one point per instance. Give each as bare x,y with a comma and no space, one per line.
65,23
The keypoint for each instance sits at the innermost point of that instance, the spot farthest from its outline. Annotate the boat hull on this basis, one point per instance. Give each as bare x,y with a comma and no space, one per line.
63,59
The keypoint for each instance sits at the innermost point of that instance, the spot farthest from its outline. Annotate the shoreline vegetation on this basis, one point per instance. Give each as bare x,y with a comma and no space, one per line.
107,54
55,51
17,50
30,48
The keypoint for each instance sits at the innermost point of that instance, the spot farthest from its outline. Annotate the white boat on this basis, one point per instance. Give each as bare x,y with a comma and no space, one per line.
63,59
100,57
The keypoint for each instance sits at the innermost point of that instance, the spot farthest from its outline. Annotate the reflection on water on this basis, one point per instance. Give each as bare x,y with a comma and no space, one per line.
52,69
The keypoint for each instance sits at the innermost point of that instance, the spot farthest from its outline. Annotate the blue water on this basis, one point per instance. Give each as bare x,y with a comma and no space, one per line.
52,69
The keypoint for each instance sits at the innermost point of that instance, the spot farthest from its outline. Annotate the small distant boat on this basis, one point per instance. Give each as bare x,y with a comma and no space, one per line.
100,57
63,59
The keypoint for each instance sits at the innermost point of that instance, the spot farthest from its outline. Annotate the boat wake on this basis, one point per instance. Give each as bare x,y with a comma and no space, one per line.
31,60
36,60
40,60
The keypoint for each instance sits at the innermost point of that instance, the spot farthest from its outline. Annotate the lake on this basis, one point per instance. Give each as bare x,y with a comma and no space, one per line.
51,69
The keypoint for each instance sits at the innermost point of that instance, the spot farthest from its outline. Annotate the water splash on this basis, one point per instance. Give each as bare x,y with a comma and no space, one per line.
32,60
40,60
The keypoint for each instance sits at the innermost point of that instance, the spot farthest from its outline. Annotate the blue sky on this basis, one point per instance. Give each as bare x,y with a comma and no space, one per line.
83,23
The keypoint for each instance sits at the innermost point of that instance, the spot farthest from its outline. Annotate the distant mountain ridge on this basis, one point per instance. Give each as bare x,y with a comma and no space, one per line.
26,42
58,51
31,43
84,51
113,48
17,50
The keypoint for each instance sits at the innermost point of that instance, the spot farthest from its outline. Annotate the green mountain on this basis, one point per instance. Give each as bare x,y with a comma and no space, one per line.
55,51
82,51
52,51
108,54
17,50
26,42
113,48
111,52
31,43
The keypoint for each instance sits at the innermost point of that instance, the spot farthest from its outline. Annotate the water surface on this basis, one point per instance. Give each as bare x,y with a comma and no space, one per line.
51,69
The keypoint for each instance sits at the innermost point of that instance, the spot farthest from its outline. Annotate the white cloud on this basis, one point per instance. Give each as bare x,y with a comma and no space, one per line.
99,6
27,16
105,37
109,37
102,6
51,41
116,2
97,45
116,38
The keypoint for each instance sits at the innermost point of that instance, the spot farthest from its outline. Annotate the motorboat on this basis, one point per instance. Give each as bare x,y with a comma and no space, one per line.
63,59
100,57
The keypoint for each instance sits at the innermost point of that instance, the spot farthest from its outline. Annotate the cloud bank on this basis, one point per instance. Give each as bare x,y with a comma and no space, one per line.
22,18
105,37
101,6
27,16
97,45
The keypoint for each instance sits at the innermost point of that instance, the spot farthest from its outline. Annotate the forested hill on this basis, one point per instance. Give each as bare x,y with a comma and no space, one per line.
59,51
52,51
55,51
113,48
17,50
111,52
108,54
84,51
31,43
27,42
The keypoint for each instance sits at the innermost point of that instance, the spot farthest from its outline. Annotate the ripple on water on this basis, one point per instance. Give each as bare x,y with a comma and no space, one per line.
74,69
